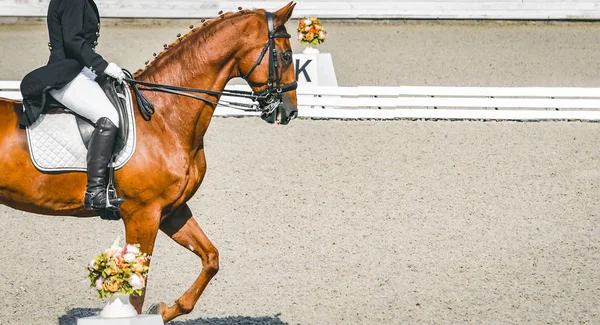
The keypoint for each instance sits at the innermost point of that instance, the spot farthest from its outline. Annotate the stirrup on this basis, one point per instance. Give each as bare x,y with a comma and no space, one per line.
111,201
110,209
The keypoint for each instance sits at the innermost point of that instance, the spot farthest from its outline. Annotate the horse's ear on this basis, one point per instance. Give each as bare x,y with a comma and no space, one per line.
283,15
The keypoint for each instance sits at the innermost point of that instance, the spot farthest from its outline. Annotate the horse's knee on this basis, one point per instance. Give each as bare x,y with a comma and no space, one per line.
212,263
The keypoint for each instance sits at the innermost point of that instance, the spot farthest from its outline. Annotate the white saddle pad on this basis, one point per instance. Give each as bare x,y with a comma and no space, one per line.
55,143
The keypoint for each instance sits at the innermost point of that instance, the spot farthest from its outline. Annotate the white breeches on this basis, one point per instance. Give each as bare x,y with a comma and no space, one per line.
84,96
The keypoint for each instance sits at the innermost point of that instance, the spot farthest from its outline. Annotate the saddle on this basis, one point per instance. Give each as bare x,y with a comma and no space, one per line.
115,92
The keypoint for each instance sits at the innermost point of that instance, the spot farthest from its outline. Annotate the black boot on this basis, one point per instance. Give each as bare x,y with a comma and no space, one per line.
100,151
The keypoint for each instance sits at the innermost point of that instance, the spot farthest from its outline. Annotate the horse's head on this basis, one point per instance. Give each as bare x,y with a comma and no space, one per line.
269,68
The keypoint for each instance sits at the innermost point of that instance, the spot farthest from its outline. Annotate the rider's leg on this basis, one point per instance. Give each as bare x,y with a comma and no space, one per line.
85,97
100,151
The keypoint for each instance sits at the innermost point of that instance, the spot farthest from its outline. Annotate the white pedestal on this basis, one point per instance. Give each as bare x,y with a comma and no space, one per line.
118,306
138,320
315,69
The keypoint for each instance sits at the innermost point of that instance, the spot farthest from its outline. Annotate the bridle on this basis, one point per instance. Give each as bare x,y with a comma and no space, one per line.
272,95
265,101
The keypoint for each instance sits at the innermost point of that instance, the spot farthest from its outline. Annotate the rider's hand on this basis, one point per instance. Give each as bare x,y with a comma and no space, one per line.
114,71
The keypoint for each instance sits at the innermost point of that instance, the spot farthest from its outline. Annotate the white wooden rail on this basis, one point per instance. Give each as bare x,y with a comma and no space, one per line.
410,102
437,9
403,9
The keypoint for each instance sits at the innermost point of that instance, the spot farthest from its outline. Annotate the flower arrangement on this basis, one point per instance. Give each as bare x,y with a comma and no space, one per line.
119,270
311,32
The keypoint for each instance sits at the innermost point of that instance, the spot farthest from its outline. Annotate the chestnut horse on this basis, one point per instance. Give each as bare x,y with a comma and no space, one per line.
169,164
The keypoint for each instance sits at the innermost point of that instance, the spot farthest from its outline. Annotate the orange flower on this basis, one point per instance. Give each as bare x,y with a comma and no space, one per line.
310,36
120,262
110,285
138,267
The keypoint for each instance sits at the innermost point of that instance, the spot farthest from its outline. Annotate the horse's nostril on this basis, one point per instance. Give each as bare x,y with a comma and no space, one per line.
294,114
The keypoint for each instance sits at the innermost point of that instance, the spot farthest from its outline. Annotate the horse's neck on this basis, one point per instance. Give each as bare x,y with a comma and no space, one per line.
200,62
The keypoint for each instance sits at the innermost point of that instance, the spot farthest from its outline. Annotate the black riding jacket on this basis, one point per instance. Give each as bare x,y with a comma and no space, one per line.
74,29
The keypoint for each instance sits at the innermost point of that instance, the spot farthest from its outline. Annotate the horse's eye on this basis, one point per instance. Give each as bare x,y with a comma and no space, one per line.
287,57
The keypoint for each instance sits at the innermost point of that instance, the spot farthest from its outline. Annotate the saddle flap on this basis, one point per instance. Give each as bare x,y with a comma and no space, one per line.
116,95
86,128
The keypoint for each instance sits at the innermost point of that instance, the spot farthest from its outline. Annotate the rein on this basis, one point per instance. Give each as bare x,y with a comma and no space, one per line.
265,101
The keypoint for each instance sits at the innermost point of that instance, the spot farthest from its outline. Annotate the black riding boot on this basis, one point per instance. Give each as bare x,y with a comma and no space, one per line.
100,150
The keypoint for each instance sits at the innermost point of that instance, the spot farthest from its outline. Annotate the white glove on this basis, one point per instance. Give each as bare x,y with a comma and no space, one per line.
114,71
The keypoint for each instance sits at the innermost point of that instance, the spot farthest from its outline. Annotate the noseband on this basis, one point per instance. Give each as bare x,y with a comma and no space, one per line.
265,101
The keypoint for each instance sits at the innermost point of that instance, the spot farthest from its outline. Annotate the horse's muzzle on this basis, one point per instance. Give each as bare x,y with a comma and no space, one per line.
280,115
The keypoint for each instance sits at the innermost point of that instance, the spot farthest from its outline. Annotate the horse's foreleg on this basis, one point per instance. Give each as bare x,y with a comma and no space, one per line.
141,230
184,229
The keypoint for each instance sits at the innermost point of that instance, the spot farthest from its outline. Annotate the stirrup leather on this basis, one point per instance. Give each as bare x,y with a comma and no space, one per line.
113,202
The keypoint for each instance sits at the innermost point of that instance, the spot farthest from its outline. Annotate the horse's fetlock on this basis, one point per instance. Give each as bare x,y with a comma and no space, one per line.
184,308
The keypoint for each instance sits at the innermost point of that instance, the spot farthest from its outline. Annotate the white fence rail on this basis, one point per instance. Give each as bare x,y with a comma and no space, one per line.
410,102
400,9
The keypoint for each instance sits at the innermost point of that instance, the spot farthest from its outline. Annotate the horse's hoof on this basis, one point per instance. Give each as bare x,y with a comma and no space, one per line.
156,309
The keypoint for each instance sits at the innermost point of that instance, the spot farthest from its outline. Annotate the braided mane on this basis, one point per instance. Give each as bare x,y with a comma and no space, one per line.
195,32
